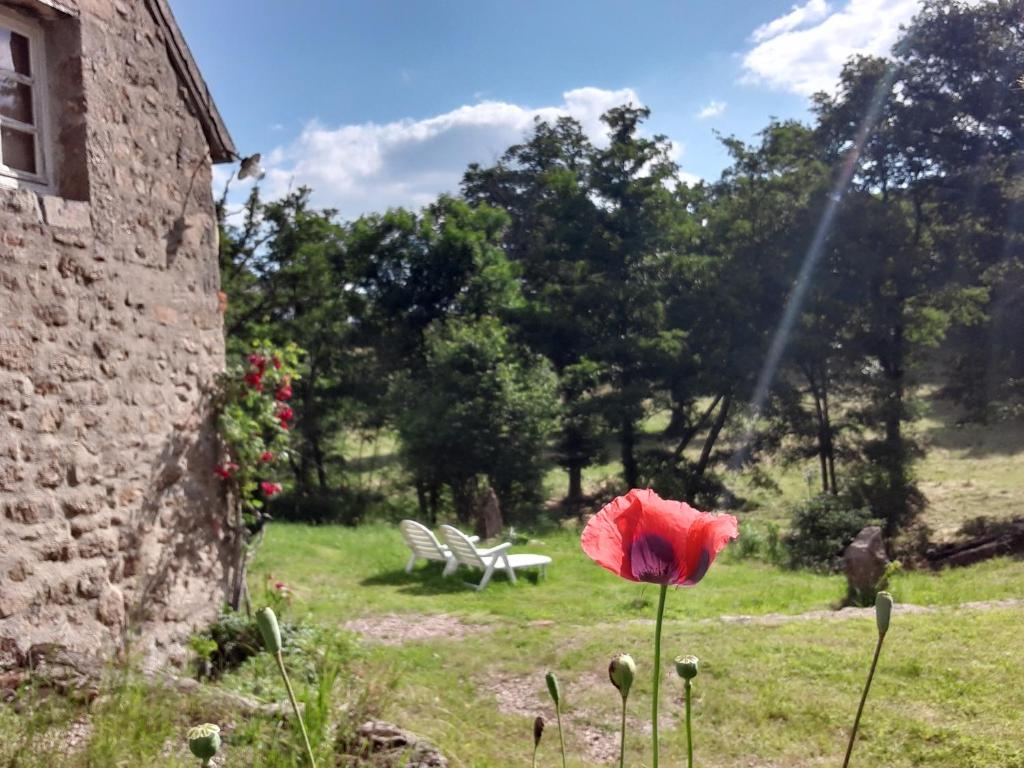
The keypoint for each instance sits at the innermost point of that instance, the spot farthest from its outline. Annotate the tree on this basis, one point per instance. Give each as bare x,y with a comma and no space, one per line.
543,184
483,412
286,278
636,216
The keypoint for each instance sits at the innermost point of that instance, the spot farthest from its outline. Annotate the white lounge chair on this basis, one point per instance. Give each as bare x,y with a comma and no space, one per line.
464,552
424,546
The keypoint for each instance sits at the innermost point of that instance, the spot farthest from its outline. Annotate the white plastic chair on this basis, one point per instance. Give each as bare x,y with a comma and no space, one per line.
424,546
464,552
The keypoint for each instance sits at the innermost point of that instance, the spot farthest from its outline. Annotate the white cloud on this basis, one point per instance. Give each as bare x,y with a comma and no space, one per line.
712,109
812,10
366,167
805,50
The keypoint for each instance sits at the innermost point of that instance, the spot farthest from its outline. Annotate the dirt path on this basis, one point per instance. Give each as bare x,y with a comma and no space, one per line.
774,619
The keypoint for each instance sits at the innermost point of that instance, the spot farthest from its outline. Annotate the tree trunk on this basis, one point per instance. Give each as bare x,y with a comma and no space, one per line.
575,495
709,442
830,451
315,445
464,497
421,500
630,471
697,427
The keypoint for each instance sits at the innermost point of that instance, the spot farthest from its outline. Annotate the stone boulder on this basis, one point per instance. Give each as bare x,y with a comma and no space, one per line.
384,744
489,522
864,562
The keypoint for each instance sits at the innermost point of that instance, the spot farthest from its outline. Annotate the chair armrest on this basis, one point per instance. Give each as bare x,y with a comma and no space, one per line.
474,539
498,550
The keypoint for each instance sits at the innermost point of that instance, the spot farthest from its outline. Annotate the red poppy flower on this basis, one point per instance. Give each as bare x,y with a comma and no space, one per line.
266,456
643,537
269,489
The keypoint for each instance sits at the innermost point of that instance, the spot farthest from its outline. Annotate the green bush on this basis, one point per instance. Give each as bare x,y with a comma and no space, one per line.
820,530
314,506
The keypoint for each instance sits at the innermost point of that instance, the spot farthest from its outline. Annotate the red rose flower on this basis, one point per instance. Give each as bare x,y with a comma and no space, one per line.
255,380
283,393
259,362
224,471
277,362
285,414
269,489
266,456
642,537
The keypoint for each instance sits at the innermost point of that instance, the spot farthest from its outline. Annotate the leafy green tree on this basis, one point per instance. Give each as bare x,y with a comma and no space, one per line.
287,281
483,411
636,217
417,273
543,184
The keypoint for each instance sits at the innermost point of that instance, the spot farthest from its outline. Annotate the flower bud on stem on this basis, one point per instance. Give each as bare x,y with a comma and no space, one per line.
556,696
266,620
538,731
621,672
686,668
883,613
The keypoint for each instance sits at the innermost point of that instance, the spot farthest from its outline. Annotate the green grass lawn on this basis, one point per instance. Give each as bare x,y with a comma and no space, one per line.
771,692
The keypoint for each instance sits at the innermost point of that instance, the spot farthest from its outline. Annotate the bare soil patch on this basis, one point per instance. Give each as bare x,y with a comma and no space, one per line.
400,628
774,619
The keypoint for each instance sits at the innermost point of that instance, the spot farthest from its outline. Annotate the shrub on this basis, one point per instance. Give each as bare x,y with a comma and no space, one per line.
821,529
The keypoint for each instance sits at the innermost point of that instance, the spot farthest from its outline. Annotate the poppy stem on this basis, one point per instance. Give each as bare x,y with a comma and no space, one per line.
561,739
295,708
688,686
657,675
622,740
863,698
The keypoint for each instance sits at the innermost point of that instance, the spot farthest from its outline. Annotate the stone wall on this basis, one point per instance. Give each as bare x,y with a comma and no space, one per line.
110,335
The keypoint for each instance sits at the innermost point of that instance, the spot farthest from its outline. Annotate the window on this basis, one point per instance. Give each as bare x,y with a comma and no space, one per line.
22,102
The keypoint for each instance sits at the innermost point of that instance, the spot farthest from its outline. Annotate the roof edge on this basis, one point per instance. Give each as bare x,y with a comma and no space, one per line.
222,148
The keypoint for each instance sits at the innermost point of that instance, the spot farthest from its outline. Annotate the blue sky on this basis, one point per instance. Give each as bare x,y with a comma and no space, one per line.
378,103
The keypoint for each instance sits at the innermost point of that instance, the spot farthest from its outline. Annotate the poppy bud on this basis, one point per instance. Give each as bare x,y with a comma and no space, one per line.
538,730
883,611
204,741
553,689
686,666
266,620
621,672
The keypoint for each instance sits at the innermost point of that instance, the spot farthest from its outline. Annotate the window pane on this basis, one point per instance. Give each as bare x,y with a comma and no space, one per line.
18,149
14,52
16,100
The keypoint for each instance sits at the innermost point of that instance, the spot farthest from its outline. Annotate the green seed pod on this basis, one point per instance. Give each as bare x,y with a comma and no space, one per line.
266,620
553,689
883,611
686,666
204,740
621,672
538,730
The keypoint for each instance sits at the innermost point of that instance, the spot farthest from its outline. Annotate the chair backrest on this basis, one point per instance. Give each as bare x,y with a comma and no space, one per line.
421,539
464,550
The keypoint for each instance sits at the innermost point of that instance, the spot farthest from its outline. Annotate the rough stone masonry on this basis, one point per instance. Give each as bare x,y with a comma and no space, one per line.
111,519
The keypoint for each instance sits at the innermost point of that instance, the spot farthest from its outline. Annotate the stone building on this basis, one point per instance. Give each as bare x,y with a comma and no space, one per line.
111,519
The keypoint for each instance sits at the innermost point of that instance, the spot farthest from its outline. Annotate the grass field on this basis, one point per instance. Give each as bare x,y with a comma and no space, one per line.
780,676
774,692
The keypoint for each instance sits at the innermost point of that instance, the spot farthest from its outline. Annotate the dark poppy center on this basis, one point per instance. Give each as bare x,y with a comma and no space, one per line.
652,559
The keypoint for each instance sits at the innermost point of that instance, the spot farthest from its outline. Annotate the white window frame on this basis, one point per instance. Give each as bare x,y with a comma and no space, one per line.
12,177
